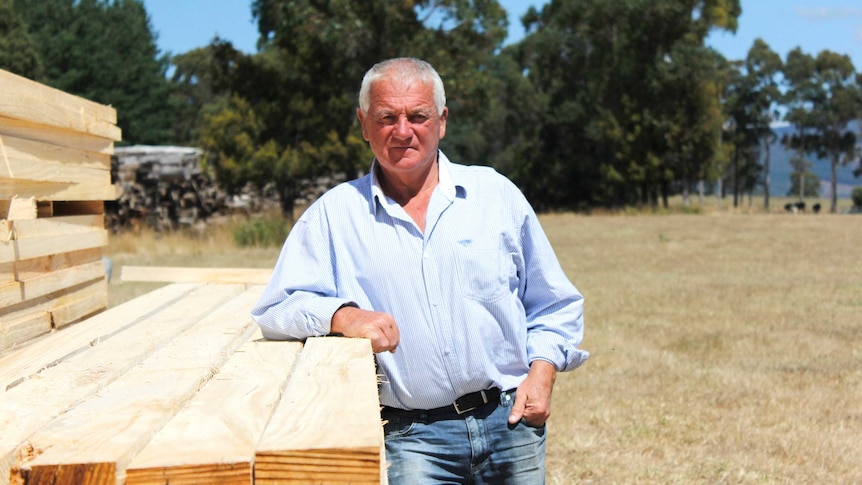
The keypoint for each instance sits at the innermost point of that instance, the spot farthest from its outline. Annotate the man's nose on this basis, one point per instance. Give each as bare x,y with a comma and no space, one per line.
403,128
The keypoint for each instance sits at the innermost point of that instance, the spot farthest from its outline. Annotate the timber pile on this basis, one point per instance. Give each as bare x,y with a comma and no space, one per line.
178,386
55,160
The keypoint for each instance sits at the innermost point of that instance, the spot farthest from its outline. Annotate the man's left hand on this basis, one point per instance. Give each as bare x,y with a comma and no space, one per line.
533,397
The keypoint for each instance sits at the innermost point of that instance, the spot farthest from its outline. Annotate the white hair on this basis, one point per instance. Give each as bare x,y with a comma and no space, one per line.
405,69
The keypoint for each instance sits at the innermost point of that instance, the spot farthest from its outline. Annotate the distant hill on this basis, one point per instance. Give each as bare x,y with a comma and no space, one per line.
780,170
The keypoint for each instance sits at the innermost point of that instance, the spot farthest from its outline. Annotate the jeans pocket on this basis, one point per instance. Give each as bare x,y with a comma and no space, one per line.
397,427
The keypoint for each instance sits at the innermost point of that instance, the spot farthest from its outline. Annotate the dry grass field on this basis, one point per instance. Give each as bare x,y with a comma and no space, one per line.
726,346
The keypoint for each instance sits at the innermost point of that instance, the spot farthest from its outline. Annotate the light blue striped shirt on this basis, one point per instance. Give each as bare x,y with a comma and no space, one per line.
477,297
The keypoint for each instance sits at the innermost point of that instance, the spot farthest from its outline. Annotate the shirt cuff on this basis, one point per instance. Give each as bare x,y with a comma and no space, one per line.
317,314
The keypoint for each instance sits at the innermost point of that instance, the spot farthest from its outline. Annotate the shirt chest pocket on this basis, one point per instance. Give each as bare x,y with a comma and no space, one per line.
483,274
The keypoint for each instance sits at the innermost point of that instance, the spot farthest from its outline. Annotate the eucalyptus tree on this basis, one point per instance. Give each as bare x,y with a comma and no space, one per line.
750,103
601,73
692,123
823,96
764,67
290,116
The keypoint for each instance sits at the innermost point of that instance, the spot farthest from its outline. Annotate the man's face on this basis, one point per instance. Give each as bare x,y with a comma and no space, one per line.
402,125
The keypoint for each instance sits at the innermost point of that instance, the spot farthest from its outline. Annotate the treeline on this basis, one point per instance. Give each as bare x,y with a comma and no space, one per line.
603,103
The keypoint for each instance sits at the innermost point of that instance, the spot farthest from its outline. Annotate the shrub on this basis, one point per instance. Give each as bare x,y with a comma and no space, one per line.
856,195
262,232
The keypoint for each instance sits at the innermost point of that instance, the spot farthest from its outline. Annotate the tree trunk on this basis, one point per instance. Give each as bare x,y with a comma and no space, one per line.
766,174
834,207
287,200
719,194
700,192
735,177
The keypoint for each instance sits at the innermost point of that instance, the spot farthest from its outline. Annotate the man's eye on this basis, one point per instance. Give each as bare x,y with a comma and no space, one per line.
418,119
388,120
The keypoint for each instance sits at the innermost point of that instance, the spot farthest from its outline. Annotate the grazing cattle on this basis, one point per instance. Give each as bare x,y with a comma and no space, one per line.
816,207
788,207
800,206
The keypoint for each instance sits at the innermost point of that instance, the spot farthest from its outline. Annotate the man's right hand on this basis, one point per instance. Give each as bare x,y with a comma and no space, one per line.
378,327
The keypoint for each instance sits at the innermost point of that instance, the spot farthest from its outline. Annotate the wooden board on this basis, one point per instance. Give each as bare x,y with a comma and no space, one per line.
27,100
57,190
17,208
78,377
51,226
34,161
47,245
21,364
55,136
337,436
253,276
65,307
213,438
97,438
22,151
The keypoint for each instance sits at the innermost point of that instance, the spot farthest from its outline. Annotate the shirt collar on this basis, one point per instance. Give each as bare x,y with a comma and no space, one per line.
444,183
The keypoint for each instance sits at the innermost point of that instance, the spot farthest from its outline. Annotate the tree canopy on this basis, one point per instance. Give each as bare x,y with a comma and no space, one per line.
105,51
600,104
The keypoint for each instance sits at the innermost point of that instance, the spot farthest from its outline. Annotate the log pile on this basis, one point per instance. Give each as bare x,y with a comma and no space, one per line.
55,160
178,386
165,188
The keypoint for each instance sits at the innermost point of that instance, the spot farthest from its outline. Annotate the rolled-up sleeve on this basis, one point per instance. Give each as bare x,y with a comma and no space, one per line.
301,296
553,305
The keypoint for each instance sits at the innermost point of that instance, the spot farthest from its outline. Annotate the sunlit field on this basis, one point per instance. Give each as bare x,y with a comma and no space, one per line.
725,349
726,344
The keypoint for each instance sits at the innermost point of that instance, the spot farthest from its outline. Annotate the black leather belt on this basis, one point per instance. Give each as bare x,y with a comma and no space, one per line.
463,404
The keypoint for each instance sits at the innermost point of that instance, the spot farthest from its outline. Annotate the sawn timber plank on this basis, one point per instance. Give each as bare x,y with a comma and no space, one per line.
36,247
80,372
254,276
28,100
60,191
23,363
55,136
75,302
212,439
18,153
97,438
330,410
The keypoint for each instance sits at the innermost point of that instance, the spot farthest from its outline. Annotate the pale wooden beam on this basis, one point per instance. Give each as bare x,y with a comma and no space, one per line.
69,370
98,436
337,437
212,439
19,365
253,276
27,100
55,136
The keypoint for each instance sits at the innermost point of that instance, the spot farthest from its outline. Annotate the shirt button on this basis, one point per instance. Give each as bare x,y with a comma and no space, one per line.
426,256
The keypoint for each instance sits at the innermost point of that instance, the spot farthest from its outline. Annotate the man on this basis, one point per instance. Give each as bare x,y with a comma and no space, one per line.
447,271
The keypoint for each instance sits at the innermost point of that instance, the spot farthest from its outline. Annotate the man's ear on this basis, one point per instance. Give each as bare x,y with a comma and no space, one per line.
362,122
443,116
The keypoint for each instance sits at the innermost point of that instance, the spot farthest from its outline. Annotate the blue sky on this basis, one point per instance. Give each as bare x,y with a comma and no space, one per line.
813,25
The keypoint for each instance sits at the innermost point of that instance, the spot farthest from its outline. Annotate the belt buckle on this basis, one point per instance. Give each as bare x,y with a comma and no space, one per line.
462,411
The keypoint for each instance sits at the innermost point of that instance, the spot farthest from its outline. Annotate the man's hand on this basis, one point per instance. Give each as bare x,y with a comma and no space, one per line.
533,397
378,327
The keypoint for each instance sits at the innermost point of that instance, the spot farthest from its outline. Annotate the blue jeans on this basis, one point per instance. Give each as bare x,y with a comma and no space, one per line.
477,448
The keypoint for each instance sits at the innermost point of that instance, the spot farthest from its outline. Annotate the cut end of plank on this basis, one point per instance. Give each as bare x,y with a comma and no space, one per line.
222,473
69,474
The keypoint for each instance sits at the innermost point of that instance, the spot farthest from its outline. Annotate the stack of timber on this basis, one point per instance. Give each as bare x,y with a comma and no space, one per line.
179,387
55,160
